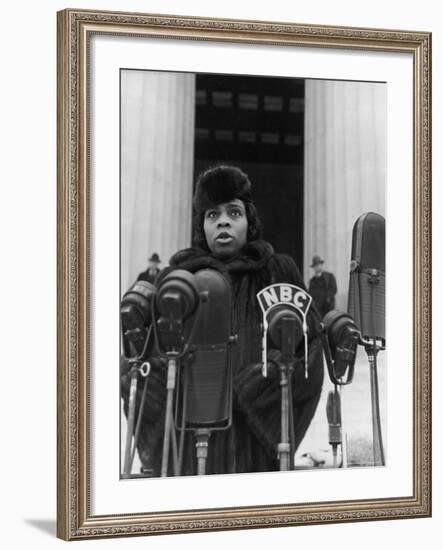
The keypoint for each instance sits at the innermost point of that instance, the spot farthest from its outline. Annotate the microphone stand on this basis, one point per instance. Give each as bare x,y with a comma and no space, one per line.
130,424
288,344
202,444
377,442
372,350
169,429
142,367
333,413
283,447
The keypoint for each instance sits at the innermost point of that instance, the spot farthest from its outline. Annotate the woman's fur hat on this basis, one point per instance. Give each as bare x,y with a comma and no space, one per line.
221,184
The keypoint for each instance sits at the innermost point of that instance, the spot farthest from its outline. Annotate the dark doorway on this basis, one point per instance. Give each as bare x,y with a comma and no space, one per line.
257,123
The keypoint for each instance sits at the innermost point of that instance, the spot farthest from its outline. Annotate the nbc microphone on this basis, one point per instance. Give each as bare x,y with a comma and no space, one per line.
285,329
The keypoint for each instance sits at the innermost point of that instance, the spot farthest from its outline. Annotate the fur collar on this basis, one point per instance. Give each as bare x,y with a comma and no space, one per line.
252,257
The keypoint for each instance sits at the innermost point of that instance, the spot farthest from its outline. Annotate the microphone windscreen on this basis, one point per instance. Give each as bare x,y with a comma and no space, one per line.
276,319
135,314
177,295
366,300
176,301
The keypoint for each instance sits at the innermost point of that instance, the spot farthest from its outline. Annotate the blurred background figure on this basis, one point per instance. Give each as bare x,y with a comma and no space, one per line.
152,271
322,287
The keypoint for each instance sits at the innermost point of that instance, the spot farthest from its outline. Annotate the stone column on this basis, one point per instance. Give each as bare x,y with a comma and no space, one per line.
345,169
157,150
345,176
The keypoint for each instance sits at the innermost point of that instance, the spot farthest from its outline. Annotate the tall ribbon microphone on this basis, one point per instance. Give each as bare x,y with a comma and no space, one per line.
204,403
366,301
193,331
366,304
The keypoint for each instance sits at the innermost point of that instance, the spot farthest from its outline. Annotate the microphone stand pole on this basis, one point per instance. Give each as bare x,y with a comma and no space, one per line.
144,370
201,446
169,430
333,413
344,433
284,447
372,350
130,425
135,369
377,441
288,356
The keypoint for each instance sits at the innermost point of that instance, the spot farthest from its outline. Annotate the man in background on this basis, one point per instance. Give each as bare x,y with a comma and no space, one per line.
152,271
322,287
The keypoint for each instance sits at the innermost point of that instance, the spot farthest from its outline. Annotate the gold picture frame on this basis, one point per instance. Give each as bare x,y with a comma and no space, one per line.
74,518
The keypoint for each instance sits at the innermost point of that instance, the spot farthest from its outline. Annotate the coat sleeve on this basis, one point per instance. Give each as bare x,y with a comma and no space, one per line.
260,398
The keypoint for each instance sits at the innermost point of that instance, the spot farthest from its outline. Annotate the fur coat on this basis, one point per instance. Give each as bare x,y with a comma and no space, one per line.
250,444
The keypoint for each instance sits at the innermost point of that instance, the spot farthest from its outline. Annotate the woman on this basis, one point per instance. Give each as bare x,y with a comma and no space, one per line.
227,238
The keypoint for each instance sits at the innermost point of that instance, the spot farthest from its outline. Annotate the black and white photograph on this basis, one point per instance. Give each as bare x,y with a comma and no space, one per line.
252,274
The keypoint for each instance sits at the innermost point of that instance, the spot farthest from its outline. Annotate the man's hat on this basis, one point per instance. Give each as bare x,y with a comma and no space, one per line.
316,260
221,184
154,258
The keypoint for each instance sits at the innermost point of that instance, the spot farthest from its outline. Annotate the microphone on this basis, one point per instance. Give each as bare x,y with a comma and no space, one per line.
135,314
176,301
367,304
207,374
287,305
136,319
366,301
340,341
285,329
333,413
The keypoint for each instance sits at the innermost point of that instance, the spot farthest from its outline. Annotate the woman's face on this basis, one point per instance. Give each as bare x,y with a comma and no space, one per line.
226,227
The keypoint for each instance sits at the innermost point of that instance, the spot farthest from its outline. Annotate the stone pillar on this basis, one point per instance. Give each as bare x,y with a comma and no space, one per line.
345,176
345,169
157,150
